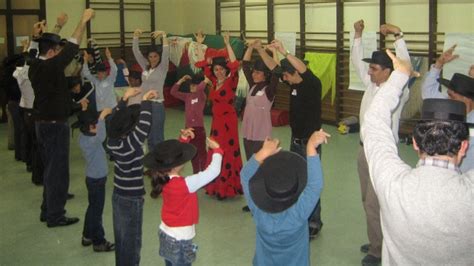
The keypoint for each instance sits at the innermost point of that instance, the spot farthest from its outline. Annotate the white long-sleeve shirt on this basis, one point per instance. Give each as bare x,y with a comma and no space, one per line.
427,212
27,93
362,68
104,89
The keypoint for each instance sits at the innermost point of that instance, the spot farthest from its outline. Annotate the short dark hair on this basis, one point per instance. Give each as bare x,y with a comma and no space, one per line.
45,46
436,137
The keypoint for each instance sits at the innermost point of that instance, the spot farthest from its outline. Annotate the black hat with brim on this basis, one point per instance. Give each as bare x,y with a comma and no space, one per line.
461,84
169,154
50,37
120,122
443,110
278,182
380,58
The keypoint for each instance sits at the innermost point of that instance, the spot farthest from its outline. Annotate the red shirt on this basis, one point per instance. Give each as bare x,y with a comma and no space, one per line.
180,207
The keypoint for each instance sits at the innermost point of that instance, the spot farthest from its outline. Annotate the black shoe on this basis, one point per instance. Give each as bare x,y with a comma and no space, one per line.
314,230
365,248
104,247
86,241
370,260
63,221
70,196
245,208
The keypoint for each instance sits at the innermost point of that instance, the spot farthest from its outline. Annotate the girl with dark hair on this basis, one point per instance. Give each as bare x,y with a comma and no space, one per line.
180,211
155,67
224,128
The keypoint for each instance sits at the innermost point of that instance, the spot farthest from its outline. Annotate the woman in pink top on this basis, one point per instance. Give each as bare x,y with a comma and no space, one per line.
257,124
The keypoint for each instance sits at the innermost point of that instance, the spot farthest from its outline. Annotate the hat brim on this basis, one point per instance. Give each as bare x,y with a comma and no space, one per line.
368,60
189,151
444,82
274,165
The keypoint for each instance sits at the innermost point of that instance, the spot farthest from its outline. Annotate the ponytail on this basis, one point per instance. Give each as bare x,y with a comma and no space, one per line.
159,178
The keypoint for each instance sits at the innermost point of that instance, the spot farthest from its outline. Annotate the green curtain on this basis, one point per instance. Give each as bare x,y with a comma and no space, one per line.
323,66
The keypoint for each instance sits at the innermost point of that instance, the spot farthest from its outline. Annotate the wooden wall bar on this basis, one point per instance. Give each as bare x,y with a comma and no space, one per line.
347,101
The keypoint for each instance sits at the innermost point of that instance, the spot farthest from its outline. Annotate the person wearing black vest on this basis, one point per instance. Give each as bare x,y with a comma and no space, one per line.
53,106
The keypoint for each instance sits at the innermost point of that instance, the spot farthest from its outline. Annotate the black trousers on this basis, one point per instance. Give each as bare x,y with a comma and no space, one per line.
53,140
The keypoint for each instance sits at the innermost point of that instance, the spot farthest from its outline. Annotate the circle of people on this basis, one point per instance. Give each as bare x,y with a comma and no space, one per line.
282,188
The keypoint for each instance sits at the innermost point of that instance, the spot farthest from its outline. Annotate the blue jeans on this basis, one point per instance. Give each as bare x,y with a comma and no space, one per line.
53,140
93,228
157,130
177,252
299,146
128,219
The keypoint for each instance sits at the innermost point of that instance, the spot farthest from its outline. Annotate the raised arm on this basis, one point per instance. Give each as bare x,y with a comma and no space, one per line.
165,55
200,179
400,46
175,89
294,61
61,20
230,51
141,60
357,53
86,17
269,61
113,67
86,73
430,87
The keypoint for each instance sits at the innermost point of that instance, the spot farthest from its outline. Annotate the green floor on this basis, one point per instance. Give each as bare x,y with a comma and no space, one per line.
225,235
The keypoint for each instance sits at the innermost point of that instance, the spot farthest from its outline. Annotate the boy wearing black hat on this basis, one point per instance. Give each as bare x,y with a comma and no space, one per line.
125,140
103,83
53,105
374,72
282,189
426,211
460,88
194,101
90,141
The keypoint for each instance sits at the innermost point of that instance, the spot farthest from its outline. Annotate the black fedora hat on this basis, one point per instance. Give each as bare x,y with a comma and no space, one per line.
380,58
50,37
278,182
85,119
120,122
461,84
169,154
443,110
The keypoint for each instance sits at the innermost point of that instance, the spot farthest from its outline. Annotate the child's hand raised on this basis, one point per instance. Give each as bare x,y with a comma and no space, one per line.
187,133
317,138
105,112
212,144
270,147
151,94
183,79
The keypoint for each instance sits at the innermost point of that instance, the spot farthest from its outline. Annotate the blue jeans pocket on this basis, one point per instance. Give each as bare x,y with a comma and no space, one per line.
177,251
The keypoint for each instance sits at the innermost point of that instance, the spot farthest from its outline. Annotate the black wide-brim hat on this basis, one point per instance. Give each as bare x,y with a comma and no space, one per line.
380,58
278,182
461,84
86,118
443,110
49,37
169,154
120,122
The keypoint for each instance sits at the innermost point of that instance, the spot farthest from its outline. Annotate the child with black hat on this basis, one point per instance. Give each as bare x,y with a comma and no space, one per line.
91,139
125,140
103,83
194,102
180,211
282,190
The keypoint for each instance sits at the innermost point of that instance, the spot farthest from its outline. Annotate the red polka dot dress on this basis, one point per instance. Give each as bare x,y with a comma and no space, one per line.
224,130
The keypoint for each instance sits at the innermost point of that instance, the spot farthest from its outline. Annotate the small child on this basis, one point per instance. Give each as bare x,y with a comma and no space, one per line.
194,102
125,141
180,211
103,83
281,191
90,141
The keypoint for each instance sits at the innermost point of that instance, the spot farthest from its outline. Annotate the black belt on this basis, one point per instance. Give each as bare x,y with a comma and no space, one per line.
300,141
52,121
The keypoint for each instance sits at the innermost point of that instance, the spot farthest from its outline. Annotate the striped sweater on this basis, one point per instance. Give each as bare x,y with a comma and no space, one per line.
128,155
